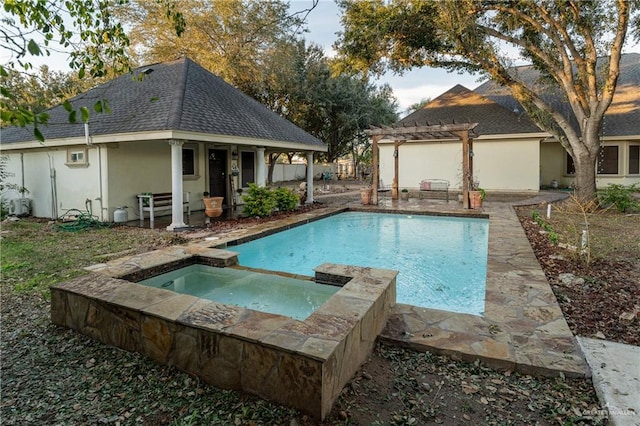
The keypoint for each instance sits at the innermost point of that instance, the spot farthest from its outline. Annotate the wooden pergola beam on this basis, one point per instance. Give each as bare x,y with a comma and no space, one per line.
440,128
400,135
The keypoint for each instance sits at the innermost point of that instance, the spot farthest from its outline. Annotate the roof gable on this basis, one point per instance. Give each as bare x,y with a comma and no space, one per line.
460,104
176,95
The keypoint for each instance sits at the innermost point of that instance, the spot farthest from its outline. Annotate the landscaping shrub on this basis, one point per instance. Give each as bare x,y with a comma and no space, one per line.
259,201
620,196
286,199
553,235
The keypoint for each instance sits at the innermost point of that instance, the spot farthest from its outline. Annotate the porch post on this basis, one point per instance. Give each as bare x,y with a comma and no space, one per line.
260,167
310,177
467,172
375,178
177,218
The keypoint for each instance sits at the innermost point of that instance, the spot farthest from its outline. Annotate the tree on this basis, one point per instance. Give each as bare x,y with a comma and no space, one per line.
87,30
231,38
340,107
418,105
574,45
38,91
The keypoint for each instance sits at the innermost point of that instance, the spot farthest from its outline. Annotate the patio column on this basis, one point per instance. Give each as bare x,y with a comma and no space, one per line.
260,167
375,177
177,218
309,177
467,169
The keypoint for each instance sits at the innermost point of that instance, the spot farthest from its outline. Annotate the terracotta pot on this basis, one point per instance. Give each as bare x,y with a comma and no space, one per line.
475,199
213,206
365,195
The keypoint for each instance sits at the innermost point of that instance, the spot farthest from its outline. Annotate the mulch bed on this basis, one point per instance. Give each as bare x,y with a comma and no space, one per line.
602,291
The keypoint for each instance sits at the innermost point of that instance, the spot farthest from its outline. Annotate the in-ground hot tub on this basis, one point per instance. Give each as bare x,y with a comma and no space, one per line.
302,364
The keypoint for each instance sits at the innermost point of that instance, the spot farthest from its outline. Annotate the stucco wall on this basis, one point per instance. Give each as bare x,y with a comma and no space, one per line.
73,185
553,165
499,165
139,167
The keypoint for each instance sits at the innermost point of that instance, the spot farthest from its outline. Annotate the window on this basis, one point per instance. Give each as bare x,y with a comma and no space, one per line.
571,167
248,162
634,159
608,161
77,157
190,161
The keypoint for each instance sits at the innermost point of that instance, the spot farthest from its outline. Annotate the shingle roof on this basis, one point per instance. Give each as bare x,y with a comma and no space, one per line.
462,105
622,117
177,95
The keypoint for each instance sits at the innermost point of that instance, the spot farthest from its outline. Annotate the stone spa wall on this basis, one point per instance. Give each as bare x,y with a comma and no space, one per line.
301,364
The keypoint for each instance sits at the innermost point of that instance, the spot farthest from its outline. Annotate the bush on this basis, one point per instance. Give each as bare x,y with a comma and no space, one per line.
620,196
259,201
286,200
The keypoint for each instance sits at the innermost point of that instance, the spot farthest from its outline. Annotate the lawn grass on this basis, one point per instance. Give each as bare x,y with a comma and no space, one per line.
35,254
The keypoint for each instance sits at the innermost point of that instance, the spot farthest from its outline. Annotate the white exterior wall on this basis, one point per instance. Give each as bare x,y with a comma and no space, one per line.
422,160
507,165
499,165
73,184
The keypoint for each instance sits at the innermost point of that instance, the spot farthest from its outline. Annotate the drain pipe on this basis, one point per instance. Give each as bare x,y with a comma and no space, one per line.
99,199
22,188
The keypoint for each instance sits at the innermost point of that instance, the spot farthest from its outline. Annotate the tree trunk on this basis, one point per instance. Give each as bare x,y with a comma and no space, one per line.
273,157
585,163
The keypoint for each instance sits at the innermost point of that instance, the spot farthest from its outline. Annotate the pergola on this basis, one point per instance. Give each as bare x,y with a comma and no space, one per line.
399,135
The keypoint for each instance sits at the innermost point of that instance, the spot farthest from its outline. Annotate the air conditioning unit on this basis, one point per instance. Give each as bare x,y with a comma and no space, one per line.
20,207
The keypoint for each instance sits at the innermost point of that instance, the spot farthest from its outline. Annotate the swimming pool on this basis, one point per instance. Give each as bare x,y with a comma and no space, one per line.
442,260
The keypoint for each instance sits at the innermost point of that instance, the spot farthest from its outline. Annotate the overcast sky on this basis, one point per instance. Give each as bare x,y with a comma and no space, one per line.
409,88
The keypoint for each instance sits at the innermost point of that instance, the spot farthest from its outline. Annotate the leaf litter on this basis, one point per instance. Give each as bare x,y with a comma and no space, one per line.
51,375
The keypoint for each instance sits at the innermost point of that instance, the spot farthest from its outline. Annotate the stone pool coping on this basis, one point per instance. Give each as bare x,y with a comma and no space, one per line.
523,328
303,364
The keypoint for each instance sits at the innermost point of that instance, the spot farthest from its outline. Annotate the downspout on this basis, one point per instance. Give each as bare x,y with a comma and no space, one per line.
88,141
22,188
99,199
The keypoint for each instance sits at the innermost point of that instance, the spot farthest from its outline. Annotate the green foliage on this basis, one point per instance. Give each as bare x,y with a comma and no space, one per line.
87,30
255,46
553,235
286,199
620,196
259,201
5,174
479,36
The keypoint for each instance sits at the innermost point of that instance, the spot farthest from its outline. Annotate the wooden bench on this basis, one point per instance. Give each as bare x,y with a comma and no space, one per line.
152,203
441,185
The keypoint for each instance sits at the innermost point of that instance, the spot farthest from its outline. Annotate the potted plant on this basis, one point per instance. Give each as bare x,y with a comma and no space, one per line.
366,195
212,205
476,196
404,194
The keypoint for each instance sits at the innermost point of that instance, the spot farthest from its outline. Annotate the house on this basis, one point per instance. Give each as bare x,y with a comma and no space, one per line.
173,127
510,153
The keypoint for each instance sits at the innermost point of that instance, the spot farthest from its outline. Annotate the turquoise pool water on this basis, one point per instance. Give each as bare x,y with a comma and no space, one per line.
442,260
261,292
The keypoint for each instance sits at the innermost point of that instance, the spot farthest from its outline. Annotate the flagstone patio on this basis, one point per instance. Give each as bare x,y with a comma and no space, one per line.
522,329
